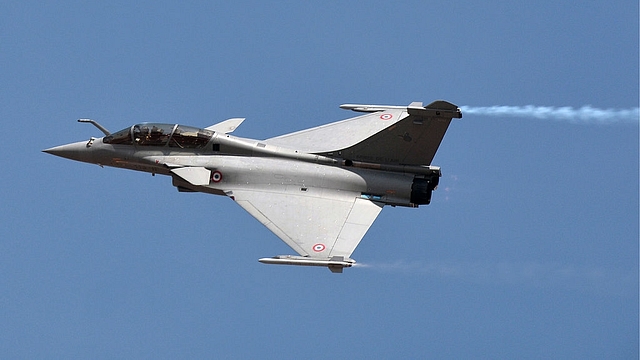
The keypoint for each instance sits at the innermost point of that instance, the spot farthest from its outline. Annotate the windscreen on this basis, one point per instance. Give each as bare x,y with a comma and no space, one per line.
121,137
178,136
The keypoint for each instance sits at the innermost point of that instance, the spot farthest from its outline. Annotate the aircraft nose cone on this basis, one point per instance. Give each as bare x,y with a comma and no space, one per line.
75,151
56,150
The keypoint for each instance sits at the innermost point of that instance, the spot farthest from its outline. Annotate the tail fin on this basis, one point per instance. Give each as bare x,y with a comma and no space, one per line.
413,140
404,135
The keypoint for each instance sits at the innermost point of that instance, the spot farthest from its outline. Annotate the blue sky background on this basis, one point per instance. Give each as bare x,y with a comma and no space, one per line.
528,250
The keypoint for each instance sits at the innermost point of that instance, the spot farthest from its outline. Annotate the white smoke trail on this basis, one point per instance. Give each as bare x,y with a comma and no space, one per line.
583,115
508,273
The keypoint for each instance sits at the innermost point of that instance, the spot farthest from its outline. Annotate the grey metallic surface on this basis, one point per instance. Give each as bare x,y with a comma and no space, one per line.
318,190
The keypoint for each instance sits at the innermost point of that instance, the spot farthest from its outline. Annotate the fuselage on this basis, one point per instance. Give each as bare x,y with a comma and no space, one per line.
239,162
319,189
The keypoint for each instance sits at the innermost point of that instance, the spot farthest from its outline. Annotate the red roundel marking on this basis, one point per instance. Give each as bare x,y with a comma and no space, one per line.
216,176
386,116
318,247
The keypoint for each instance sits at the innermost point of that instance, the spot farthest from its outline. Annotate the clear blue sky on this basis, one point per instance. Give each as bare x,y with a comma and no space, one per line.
528,250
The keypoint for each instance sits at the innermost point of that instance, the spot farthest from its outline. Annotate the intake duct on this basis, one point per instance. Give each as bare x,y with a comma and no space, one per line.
422,188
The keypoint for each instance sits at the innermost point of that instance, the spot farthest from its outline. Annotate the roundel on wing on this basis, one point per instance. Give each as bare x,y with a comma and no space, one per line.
319,247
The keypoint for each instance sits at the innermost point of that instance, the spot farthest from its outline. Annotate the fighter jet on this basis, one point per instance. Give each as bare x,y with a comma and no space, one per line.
318,190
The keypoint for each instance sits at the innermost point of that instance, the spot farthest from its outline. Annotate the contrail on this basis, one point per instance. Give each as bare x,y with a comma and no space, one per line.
582,115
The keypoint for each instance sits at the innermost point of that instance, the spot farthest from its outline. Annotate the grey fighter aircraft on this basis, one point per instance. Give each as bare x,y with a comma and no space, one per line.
319,190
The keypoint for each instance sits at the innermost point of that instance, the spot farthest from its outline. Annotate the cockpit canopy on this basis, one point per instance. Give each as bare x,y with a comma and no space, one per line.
150,134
